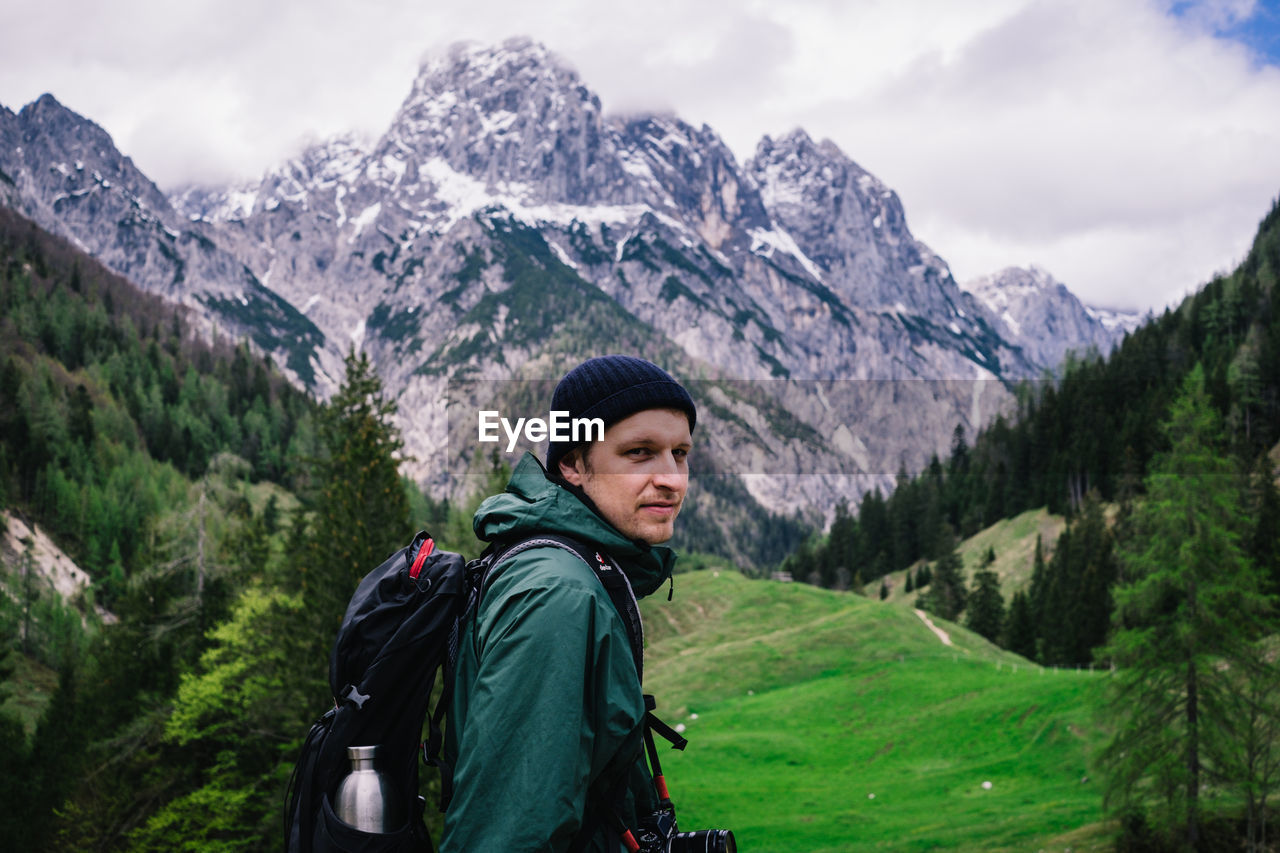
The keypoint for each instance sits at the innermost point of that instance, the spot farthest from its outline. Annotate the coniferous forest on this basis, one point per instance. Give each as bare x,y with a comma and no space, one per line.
223,518
1086,440
1163,458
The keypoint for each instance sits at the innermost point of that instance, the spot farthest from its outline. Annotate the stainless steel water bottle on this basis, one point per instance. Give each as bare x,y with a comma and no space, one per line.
366,798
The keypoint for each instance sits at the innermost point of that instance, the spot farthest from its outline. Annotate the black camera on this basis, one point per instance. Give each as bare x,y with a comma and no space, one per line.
660,835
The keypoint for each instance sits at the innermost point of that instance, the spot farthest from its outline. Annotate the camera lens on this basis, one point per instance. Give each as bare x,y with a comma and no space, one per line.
703,841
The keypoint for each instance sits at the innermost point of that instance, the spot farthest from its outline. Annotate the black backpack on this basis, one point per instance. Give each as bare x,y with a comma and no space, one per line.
400,631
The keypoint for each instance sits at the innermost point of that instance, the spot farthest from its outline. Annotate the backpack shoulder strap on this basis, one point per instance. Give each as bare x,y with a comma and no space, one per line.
611,577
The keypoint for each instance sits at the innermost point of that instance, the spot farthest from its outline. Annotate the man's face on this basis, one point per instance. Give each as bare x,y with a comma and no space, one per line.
638,474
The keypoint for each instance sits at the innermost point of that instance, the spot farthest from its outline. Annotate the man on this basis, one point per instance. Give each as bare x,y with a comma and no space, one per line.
546,720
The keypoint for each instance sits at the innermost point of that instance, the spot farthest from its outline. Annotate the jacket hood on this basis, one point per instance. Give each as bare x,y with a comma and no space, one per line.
534,504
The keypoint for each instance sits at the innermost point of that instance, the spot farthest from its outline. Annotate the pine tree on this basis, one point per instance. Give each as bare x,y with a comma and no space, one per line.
1020,627
959,463
839,545
924,577
1036,591
904,515
1092,604
1247,757
57,754
985,614
1035,600
1245,381
1184,621
15,821
16,817
80,417
1264,543
1076,584
361,511
947,593
232,726
932,526
271,515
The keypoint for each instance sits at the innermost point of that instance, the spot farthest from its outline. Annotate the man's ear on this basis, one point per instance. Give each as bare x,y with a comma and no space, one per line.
573,467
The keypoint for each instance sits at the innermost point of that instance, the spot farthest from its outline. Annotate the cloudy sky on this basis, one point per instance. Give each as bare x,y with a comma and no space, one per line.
1130,147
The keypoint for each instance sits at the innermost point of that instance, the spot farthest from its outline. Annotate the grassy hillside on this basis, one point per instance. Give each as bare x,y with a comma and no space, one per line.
1013,540
800,704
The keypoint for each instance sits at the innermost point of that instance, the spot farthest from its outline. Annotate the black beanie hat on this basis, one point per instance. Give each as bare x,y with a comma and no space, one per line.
613,387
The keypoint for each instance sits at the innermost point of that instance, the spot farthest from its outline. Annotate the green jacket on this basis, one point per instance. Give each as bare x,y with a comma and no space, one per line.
547,703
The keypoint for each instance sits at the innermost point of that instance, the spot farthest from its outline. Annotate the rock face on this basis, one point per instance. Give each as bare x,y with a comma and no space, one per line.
1036,312
27,548
64,172
504,227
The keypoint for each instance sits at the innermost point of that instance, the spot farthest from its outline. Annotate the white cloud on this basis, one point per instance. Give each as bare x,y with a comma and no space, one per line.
1119,144
1126,151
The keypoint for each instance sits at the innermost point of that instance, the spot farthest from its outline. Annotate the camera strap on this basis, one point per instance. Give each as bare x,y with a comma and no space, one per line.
650,724
653,724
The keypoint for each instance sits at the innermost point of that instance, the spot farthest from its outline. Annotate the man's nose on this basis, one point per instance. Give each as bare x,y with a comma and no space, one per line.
669,474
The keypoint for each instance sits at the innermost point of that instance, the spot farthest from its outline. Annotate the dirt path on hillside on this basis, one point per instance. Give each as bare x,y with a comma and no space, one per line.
942,635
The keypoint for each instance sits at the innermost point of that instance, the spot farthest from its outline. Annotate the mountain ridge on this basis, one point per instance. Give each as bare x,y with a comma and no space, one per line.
65,174
1042,315
794,268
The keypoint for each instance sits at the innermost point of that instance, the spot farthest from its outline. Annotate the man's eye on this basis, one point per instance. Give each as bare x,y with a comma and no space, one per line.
680,453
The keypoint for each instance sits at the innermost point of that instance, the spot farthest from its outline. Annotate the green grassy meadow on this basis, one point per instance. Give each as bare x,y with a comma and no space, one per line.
808,702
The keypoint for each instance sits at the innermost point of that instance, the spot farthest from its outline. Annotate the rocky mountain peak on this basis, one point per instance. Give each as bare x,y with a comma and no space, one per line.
44,108
319,167
48,111
502,222
1014,284
68,176
511,114
474,70
796,143
848,223
794,171
691,171
326,161
75,156
797,151
1037,312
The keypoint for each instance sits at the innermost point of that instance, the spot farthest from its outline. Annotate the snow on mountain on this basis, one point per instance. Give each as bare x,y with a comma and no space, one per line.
321,166
504,226
1039,314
